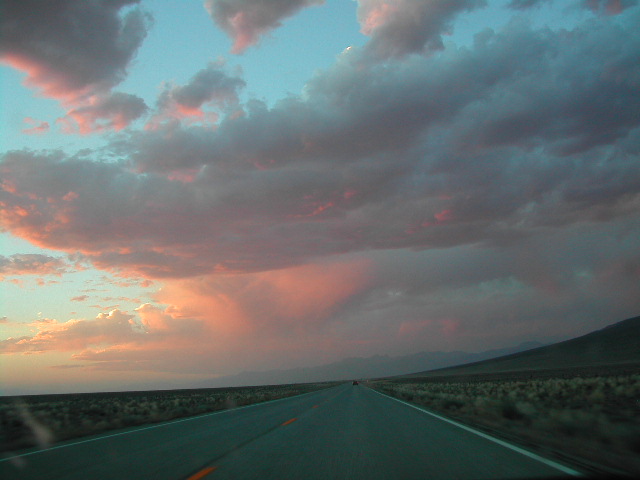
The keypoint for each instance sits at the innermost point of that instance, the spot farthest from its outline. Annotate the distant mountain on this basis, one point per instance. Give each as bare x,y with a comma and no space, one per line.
617,344
376,366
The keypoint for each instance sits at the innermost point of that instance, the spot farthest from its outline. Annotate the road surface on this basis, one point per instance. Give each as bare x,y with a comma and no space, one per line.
349,432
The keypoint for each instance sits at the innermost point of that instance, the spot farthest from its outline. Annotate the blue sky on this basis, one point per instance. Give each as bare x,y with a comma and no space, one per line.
192,189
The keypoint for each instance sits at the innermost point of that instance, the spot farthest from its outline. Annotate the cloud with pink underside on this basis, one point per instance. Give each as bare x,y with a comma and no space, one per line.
245,21
114,111
76,52
210,92
401,27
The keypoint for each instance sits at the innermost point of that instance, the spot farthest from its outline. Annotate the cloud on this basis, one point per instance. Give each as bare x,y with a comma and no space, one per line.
412,154
388,301
291,299
66,366
525,4
210,86
468,198
115,111
245,21
76,51
608,7
401,27
114,327
208,318
71,48
32,264
38,127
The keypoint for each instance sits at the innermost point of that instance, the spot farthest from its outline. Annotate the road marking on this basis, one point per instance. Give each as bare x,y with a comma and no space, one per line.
202,473
160,425
288,422
551,463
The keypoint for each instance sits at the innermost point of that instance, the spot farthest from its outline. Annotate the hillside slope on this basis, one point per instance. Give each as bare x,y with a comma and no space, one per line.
618,343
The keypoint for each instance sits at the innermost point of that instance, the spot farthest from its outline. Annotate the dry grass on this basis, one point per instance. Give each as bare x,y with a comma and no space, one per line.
40,420
594,417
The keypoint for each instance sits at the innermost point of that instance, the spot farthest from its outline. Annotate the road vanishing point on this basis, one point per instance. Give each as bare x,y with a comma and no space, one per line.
345,432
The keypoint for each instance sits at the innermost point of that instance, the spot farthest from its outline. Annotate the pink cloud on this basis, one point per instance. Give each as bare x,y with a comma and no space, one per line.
296,298
374,15
114,327
207,318
245,21
38,127
105,112
38,76
444,216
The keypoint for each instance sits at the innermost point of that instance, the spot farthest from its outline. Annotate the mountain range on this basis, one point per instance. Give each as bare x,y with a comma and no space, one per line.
375,366
616,344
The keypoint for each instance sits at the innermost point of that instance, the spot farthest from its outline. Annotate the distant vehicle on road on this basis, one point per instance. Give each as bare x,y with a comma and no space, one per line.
355,382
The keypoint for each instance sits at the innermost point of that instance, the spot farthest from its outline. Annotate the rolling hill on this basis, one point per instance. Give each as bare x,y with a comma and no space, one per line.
616,344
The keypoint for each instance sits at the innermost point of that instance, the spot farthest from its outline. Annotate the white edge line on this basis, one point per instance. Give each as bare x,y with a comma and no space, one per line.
522,451
158,425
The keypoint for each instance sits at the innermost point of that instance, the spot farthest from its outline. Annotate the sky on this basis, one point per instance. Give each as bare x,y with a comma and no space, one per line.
191,189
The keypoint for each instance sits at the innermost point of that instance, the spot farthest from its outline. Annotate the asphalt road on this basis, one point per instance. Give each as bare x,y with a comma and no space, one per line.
349,432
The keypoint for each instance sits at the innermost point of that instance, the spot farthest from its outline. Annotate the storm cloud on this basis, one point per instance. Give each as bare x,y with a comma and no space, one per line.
416,192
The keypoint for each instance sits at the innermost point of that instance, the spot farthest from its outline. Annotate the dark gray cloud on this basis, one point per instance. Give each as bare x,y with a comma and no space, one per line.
608,7
72,47
32,264
245,21
524,4
401,27
210,86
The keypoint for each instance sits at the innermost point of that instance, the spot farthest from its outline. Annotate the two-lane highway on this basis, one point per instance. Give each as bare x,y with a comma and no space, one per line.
344,432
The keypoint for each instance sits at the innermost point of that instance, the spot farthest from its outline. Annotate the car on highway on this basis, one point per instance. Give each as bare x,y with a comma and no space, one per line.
355,382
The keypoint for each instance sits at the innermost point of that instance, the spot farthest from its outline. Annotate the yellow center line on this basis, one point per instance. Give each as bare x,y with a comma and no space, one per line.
289,421
202,473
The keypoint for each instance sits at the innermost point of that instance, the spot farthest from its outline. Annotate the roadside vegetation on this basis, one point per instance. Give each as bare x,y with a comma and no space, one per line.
40,420
587,417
